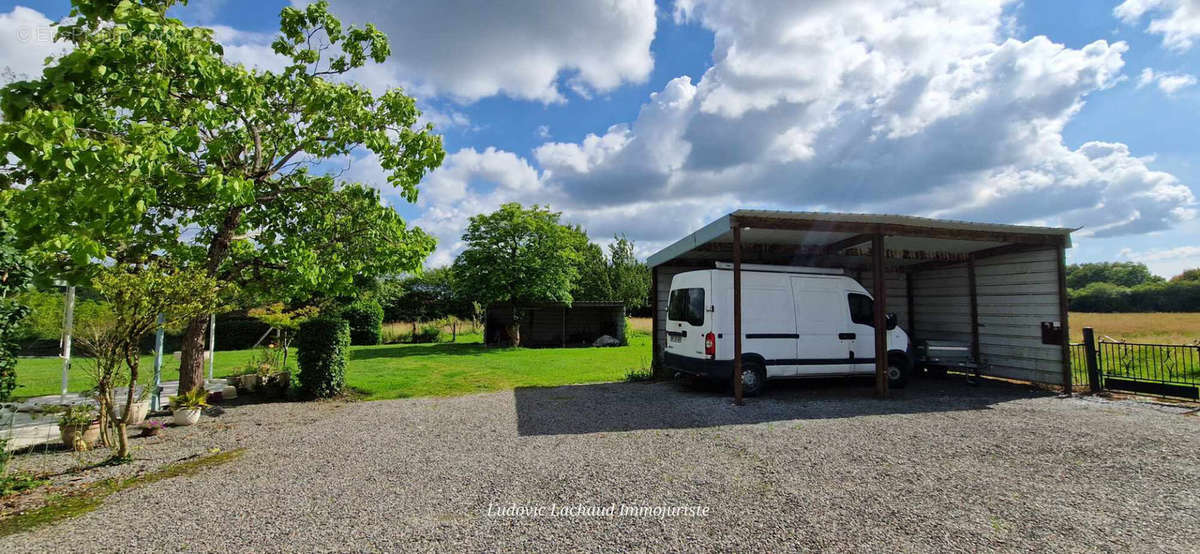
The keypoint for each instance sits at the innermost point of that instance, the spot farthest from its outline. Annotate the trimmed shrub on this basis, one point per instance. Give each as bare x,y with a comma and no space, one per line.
321,348
366,321
428,333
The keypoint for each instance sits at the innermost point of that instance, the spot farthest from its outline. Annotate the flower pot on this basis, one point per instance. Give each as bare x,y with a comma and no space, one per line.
186,416
229,393
250,382
137,414
79,437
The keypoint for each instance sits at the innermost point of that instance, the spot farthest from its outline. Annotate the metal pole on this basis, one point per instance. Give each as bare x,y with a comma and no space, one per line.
68,327
880,316
155,400
737,313
212,341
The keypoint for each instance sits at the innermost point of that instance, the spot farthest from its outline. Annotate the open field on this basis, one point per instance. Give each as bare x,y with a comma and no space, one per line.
942,466
1160,328
404,370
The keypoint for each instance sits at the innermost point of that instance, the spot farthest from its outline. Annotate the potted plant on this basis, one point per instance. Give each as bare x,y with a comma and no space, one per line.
139,410
186,407
79,427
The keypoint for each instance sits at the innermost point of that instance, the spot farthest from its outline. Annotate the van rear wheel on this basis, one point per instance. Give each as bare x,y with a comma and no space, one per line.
754,378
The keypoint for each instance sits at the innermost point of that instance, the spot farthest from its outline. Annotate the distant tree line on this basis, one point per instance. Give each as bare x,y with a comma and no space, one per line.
1130,287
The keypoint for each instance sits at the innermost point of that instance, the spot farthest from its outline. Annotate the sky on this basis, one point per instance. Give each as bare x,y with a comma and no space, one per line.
651,119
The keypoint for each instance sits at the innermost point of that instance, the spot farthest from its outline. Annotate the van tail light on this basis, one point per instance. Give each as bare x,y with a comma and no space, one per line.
710,345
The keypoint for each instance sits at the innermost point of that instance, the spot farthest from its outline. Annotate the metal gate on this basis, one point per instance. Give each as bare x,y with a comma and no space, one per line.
1159,369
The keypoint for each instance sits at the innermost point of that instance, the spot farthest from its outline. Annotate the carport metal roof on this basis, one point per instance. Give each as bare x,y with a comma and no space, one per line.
896,243
840,239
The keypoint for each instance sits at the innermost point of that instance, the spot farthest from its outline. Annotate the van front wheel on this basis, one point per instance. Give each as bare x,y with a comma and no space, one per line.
898,371
754,378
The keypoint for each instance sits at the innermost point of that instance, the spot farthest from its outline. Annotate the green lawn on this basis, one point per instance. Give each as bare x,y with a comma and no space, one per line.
406,370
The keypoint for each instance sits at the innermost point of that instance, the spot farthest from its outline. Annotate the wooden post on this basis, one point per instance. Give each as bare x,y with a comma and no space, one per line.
737,313
1064,316
974,310
1093,362
908,297
880,316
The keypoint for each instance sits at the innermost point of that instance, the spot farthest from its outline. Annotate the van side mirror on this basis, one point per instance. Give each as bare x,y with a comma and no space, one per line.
892,321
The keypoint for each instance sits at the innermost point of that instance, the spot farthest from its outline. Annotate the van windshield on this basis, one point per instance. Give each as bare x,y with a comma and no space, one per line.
686,305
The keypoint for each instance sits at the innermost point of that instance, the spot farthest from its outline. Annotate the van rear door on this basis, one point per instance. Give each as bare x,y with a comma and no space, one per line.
822,323
688,317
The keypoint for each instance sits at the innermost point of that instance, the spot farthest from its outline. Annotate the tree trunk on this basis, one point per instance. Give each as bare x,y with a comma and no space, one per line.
191,362
514,334
453,331
133,359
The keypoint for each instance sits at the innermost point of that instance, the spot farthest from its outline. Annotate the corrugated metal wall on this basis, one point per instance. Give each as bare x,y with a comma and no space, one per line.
1015,293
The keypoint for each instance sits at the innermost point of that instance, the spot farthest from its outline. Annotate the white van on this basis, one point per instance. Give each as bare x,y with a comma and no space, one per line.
796,322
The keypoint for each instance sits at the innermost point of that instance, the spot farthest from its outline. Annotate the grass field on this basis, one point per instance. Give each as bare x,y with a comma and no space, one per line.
1160,328
404,370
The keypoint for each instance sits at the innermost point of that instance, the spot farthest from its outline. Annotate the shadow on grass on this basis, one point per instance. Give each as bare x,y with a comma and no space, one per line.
430,349
613,407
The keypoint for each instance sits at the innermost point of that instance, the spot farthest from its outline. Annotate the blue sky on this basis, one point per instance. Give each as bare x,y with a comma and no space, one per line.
650,119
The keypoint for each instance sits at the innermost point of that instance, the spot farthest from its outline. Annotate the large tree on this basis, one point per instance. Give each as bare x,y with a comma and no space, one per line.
144,142
630,278
518,256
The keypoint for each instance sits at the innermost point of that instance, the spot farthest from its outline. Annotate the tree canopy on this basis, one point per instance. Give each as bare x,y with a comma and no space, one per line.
144,142
1125,274
517,255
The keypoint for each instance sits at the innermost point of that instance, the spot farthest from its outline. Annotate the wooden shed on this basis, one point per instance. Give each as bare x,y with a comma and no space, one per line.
1002,288
554,325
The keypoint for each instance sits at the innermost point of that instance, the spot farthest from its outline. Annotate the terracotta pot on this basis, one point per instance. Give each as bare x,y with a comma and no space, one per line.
186,416
88,436
136,415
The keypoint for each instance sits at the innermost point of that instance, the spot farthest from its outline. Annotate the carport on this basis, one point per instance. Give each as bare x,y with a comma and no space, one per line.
1000,287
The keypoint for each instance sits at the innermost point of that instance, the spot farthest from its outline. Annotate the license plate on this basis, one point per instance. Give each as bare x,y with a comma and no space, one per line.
675,338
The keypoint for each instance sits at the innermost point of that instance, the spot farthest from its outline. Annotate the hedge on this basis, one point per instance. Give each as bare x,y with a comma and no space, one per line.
1174,296
366,321
321,348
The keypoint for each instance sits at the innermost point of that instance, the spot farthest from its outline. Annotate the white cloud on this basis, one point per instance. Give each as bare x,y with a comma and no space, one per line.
526,50
1178,21
1168,83
542,132
26,40
898,106
1167,262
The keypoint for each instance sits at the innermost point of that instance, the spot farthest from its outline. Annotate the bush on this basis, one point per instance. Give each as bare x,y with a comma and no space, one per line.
366,321
321,347
428,333
1101,297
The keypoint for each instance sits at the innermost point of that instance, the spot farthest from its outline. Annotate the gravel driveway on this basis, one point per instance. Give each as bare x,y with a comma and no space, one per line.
810,466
